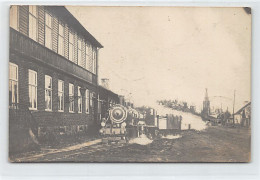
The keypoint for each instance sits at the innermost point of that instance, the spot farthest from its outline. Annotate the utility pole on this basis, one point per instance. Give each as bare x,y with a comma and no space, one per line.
234,107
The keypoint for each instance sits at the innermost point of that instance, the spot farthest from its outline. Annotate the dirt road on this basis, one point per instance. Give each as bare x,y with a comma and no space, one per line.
215,144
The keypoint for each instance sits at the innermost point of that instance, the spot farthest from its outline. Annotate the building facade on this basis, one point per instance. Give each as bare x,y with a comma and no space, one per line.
243,116
52,72
106,100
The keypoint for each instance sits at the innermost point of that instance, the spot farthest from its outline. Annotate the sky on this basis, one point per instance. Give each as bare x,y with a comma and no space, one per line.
153,53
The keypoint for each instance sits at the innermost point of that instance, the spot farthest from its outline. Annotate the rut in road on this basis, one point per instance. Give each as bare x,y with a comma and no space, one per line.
71,155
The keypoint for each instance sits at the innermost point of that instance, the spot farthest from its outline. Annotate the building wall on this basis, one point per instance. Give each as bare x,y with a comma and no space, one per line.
107,99
29,54
53,118
23,27
244,117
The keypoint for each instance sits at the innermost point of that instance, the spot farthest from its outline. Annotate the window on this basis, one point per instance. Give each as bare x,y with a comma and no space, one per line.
33,22
87,101
48,93
71,46
13,85
60,95
91,99
32,90
61,39
79,101
14,17
71,97
87,51
99,106
80,52
48,30
94,60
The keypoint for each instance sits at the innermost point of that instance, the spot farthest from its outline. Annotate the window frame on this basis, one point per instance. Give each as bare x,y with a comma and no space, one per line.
48,89
14,80
91,99
61,92
99,106
35,16
87,102
14,13
94,60
50,28
79,60
61,37
87,55
73,46
35,86
80,101
71,95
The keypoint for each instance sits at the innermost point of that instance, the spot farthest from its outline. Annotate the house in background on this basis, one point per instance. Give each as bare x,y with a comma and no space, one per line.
243,116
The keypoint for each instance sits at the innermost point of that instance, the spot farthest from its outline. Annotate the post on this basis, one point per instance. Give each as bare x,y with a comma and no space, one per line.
158,122
234,107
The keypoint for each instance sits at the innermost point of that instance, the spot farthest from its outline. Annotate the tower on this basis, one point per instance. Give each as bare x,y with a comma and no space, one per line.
206,103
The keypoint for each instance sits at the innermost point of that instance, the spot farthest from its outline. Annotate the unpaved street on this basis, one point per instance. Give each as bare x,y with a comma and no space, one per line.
215,144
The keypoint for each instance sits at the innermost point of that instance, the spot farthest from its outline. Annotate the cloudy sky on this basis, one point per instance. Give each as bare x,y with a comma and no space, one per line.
172,52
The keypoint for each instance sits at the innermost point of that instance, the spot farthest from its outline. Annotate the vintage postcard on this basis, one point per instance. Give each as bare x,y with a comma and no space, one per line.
129,84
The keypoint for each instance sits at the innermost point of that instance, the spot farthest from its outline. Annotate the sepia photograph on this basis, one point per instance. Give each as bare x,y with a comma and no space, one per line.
129,84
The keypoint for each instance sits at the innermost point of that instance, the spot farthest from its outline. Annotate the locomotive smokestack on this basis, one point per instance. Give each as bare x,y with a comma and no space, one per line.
105,83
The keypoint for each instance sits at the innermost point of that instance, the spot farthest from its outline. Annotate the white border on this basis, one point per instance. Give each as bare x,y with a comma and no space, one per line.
131,171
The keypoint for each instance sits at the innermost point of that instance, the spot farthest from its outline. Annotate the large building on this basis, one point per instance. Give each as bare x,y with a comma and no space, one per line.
53,75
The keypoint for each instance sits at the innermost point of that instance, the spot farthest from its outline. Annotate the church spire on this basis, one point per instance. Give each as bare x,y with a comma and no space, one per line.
206,95
206,103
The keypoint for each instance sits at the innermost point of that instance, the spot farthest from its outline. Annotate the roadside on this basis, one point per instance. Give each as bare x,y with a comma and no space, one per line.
65,144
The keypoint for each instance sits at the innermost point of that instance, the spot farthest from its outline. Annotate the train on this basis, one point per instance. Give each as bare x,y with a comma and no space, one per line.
124,123
120,121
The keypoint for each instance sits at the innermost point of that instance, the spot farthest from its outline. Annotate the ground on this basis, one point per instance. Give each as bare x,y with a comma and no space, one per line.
214,144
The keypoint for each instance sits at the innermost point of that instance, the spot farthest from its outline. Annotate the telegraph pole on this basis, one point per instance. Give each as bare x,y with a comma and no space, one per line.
234,107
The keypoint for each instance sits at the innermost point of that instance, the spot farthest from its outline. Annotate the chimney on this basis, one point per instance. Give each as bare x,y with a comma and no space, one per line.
105,83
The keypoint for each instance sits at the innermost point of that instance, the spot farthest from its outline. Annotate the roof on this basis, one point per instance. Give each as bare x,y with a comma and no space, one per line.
101,88
62,12
240,110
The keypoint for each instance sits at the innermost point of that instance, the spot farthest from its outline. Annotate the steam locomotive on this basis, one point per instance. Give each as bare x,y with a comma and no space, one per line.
124,123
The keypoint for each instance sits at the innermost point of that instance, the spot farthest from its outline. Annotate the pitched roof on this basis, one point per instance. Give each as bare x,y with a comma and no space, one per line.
63,13
241,109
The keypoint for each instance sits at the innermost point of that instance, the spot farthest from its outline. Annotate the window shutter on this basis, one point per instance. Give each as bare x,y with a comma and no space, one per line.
66,41
24,20
75,60
55,34
41,28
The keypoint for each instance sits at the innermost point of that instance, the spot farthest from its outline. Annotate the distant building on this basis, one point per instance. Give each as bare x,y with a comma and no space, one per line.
193,109
122,100
243,115
106,99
